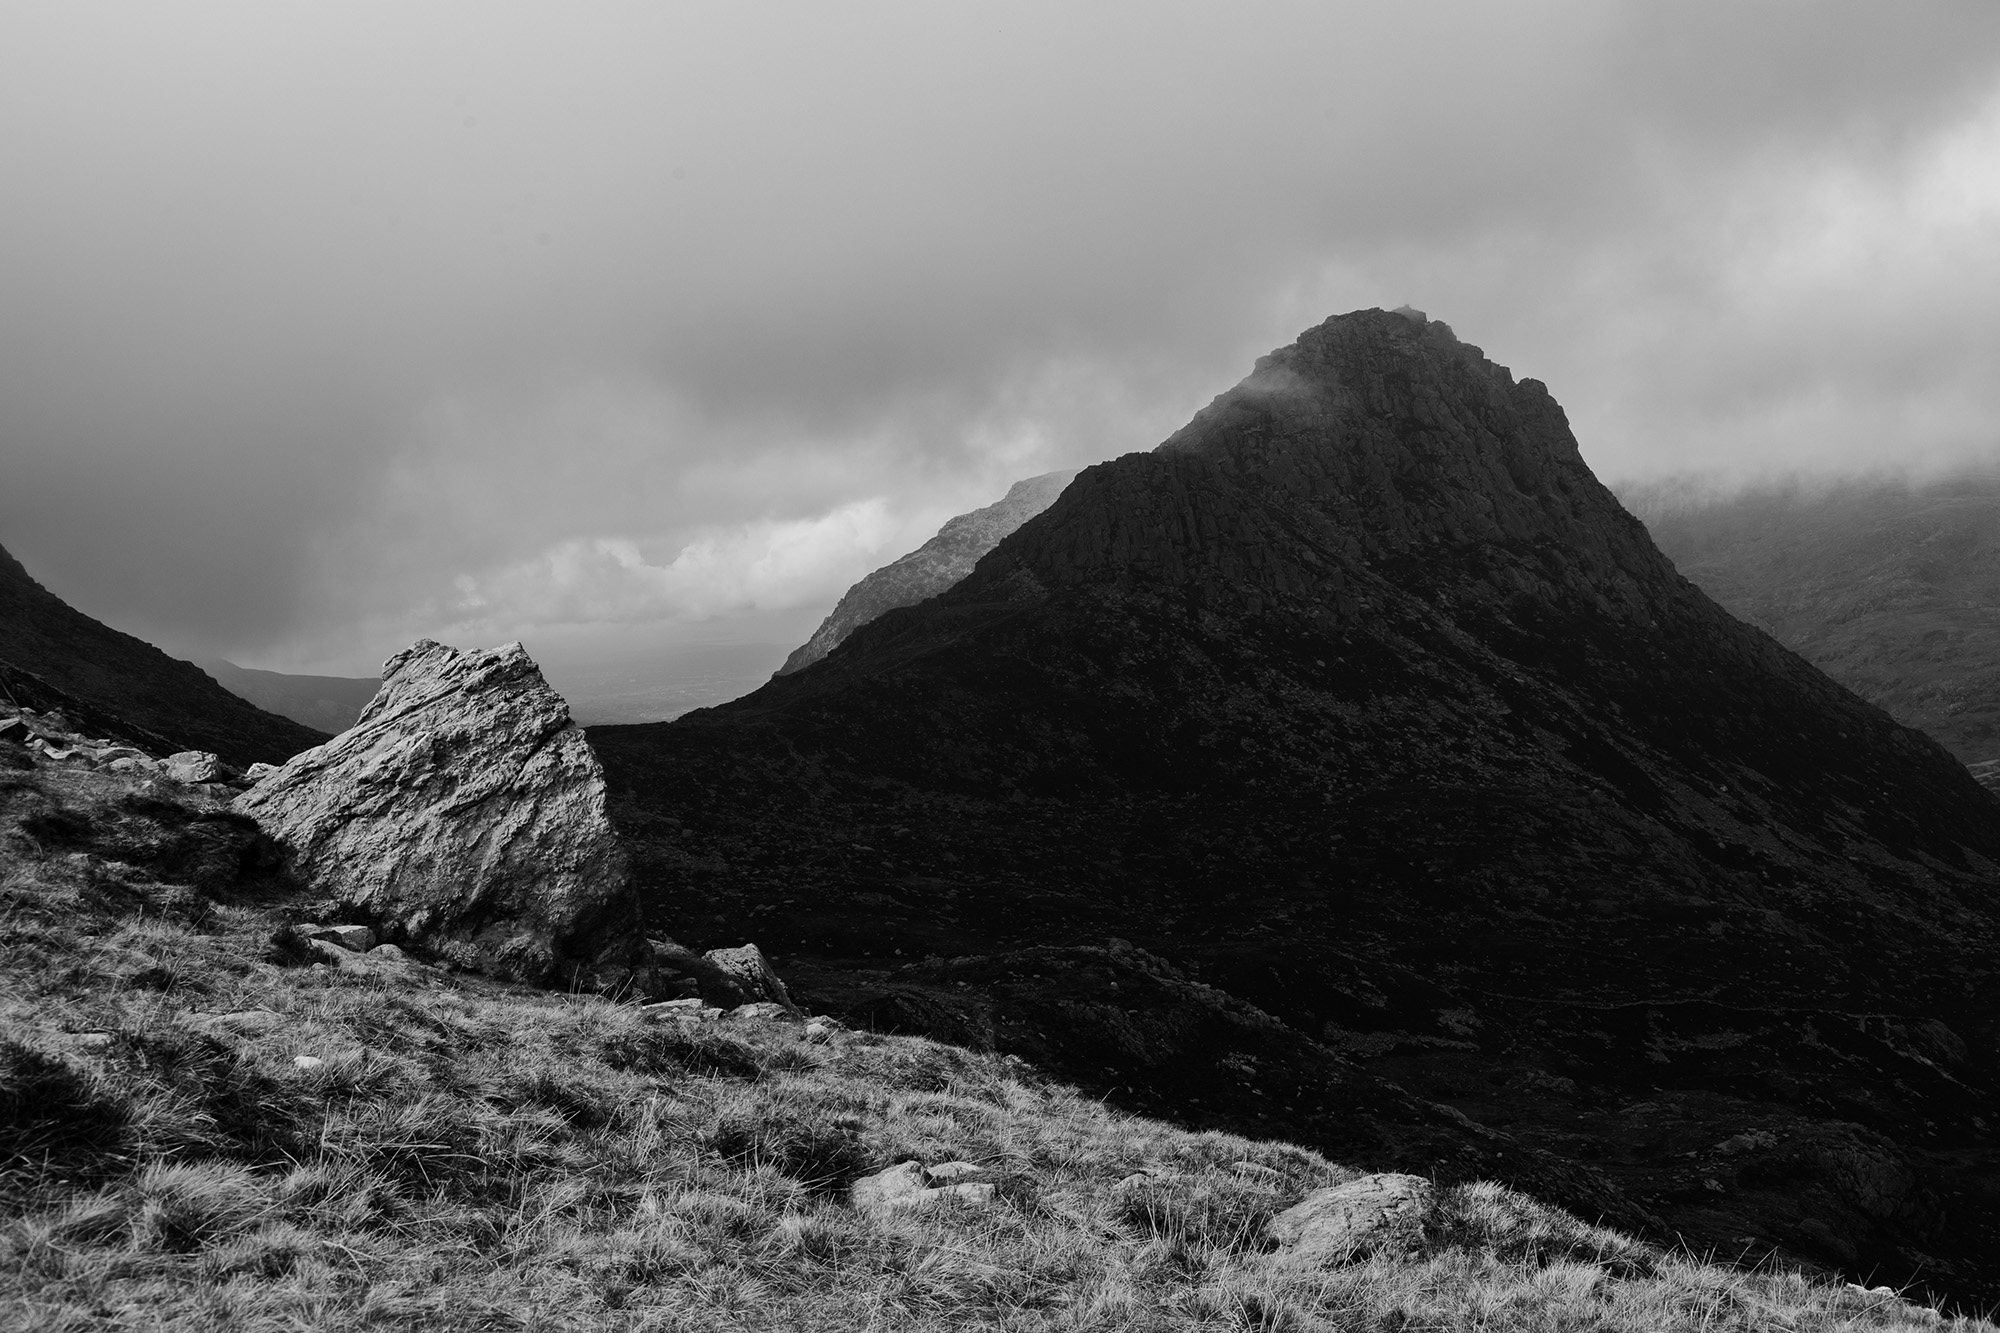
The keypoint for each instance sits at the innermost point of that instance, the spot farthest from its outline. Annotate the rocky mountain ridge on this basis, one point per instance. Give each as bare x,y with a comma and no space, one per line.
1362,702
932,567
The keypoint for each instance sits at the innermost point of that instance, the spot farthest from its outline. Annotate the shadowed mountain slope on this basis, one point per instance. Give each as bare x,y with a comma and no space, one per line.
1363,702
932,567
1893,589
131,679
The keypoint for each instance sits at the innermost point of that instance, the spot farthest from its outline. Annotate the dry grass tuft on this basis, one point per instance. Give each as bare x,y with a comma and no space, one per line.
472,1156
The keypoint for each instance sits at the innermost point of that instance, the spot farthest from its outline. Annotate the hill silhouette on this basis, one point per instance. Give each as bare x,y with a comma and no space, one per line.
1890,587
129,678
324,703
1361,701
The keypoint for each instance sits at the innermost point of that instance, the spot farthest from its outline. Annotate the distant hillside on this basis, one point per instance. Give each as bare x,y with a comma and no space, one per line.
1890,588
327,703
932,567
41,633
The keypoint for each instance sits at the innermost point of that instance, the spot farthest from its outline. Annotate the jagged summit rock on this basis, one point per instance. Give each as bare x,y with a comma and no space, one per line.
932,567
464,812
161,702
1362,700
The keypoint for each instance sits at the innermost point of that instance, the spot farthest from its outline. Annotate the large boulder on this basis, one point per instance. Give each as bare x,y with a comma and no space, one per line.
1344,1222
464,812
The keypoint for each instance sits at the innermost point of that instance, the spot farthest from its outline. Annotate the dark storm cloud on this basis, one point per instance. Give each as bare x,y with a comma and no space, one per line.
323,326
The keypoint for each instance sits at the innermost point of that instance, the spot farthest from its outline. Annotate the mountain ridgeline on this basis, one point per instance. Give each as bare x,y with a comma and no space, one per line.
1353,768
931,568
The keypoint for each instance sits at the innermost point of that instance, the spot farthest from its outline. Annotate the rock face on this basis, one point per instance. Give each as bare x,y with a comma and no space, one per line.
932,567
464,812
169,704
1361,701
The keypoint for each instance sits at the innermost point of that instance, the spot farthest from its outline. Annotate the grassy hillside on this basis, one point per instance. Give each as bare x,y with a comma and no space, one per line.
451,1153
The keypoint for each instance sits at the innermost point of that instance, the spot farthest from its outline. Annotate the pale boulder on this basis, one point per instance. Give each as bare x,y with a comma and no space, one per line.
464,813
192,766
1349,1221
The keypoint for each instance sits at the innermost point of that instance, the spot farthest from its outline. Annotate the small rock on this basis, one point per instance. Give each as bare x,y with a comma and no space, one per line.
885,1188
762,1009
674,1009
93,1041
818,1030
306,1062
358,939
331,954
1345,1222
242,1023
111,754
1133,1181
746,967
191,766
903,1186
390,954
945,1173
258,771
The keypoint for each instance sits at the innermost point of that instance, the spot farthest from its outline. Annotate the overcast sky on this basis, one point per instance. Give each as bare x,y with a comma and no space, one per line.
327,325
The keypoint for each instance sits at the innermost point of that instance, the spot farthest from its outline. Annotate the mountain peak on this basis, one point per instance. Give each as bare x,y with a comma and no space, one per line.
1362,700
1370,439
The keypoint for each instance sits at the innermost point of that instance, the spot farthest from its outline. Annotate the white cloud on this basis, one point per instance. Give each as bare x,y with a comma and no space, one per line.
769,565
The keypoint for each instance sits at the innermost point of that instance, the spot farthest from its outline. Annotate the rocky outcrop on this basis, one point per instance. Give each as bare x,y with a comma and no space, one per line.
725,978
25,692
464,813
58,735
932,567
